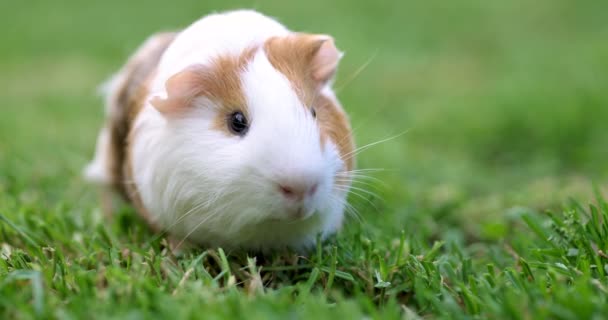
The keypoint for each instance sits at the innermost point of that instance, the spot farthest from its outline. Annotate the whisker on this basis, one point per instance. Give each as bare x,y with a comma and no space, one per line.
203,203
357,182
205,219
189,212
350,209
362,170
363,197
357,151
349,174
357,72
365,191
371,181
167,229
359,177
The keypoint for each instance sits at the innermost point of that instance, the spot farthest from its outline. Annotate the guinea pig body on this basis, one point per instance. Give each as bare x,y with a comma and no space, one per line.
228,134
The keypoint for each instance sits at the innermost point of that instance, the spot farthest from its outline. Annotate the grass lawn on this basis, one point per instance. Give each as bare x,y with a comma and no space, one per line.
492,205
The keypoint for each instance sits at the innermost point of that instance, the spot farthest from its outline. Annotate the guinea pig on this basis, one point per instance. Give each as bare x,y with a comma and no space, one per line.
228,134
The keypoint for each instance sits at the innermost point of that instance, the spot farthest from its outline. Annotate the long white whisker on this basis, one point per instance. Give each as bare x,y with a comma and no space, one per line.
362,170
372,194
189,212
363,197
369,145
357,72
350,209
205,219
357,182
365,191
357,177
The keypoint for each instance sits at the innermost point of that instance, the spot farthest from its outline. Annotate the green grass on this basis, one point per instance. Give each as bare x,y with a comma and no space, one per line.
486,207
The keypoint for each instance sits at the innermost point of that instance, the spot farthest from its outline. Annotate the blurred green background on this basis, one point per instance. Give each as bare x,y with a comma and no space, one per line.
504,102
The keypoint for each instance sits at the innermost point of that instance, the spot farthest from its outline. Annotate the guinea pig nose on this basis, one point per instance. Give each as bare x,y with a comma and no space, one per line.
297,191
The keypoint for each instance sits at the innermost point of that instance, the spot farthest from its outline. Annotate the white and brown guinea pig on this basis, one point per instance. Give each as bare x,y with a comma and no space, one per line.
228,134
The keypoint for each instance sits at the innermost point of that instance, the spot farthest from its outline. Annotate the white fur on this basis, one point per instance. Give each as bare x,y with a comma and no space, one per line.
221,190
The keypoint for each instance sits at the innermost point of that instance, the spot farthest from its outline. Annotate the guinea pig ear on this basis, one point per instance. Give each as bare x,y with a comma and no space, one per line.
310,57
325,58
181,88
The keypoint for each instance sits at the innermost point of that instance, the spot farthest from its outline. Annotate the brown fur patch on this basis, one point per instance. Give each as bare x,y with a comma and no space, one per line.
292,56
129,188
124,104
334,125
218,81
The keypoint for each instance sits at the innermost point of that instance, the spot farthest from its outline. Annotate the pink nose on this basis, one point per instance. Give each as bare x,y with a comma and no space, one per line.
297,191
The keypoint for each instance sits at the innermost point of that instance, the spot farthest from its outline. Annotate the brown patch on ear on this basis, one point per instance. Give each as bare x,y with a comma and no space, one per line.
180,89
308,61
334,125
218,81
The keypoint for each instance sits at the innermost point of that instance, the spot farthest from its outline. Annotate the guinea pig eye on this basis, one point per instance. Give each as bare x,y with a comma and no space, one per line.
314,113
237,123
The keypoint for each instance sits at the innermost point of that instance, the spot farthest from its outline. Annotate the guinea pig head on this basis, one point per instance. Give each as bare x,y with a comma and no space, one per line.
261,148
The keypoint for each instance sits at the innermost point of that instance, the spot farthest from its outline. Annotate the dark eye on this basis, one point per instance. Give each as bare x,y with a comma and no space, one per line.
314,113
237,123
